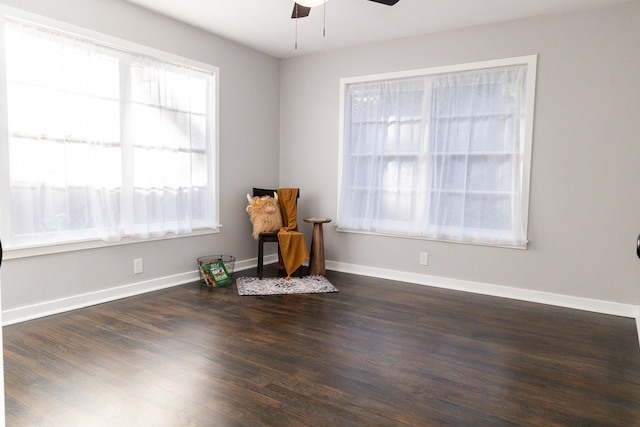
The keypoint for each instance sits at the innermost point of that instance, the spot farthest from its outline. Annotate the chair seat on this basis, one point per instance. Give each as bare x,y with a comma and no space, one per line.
270,237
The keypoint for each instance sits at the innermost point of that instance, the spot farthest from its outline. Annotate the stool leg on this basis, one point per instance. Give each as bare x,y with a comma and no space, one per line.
316,260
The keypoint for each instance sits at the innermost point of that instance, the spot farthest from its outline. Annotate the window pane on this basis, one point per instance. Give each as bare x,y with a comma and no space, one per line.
450,172
486,211
446,208
490,173
494,134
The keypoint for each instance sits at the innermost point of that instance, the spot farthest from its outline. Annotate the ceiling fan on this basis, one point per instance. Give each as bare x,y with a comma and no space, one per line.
302,9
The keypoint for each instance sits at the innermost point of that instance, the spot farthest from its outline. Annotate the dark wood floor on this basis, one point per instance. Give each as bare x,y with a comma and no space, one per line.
376,353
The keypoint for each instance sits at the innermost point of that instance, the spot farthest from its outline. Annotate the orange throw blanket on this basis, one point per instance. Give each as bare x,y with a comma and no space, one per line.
292,245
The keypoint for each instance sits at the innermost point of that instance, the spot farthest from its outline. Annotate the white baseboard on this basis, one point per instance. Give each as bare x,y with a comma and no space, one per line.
597,306
74,302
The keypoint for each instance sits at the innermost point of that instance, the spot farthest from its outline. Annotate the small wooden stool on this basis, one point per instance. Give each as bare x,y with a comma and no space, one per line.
316,259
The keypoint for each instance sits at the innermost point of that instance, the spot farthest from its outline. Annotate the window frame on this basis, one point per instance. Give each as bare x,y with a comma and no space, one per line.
529,60
19,251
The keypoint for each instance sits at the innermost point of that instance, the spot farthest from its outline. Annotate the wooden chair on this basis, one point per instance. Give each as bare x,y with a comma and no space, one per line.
266,237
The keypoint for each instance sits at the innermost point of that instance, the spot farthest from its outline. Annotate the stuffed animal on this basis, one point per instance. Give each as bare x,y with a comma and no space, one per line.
264,213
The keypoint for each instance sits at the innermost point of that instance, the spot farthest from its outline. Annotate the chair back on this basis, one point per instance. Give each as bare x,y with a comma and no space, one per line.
261,192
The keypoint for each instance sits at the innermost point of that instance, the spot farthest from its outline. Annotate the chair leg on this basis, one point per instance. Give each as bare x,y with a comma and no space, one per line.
260,259
280,260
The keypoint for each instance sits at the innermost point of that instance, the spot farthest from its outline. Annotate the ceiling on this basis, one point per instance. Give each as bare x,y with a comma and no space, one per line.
266,25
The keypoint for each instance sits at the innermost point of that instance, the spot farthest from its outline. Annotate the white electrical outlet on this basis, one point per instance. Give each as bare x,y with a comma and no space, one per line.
138,266
424,258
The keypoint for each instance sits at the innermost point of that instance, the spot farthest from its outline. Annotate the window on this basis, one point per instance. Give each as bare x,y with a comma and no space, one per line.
104,142
440,154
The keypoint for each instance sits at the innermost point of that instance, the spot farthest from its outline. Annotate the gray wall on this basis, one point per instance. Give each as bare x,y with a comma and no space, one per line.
284,114
249,138
584,204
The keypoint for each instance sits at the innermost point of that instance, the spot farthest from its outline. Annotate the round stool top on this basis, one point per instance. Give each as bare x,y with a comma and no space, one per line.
317,220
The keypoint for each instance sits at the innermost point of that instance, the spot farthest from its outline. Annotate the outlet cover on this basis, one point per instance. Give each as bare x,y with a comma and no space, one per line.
424,258
138,266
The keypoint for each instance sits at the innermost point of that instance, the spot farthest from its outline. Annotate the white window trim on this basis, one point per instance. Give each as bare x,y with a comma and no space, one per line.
5,209
529,60
49,249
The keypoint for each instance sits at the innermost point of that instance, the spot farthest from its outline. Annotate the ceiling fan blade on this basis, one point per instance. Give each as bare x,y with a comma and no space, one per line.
300,11
387,2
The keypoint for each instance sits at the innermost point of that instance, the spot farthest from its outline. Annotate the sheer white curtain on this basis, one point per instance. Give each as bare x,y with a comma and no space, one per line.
64,137
477,149
104,143
384,169
436,156
168,131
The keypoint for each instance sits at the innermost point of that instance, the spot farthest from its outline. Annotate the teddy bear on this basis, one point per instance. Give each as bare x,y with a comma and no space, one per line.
264,214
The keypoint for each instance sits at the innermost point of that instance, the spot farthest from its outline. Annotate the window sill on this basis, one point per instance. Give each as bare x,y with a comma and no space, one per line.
433,239
32,251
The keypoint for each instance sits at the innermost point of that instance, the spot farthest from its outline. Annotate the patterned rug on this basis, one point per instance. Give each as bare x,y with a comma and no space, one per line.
280,286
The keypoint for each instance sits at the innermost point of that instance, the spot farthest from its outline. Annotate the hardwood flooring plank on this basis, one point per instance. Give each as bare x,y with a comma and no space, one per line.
376,353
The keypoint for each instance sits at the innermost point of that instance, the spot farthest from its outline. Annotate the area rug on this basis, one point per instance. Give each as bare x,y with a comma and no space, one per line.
281,286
